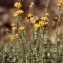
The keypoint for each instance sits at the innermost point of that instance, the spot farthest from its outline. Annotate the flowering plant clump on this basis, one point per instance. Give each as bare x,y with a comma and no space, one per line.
17,5
14,37
21,28
29,15
39,48
14,28
36,26
17,13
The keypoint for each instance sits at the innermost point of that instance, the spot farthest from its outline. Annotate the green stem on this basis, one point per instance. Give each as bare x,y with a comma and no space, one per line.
46,6
57,30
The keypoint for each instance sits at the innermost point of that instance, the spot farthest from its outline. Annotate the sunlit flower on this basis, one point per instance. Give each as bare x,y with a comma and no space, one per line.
17,13
21,28
32,3
46,23
30,6
16,35
47,14
20,11
36,18
17,4
42,23
36,26
12,38
14,28
29,15
44,18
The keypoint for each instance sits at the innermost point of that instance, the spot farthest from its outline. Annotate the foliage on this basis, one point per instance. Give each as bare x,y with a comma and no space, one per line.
39,49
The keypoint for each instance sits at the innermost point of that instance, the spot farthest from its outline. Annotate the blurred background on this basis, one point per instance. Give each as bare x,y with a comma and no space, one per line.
7,9
6,18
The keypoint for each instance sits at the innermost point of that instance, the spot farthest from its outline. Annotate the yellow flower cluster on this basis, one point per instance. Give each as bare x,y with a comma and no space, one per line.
17,5
21,28
17,13
43,21
14,37
36,26
44,18
29,15
47,14
31,5
36,18
14,28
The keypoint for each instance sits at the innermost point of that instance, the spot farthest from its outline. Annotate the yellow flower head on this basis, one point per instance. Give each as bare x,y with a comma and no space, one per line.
44,18
46,23
36,18
16,35
31,5
29,15
17,4
12,38
42,23
17,13
36,26
47,14
14,28
20,11
21,28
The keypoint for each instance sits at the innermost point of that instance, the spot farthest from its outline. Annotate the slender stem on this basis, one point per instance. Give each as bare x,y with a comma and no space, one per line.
57,30
46,6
